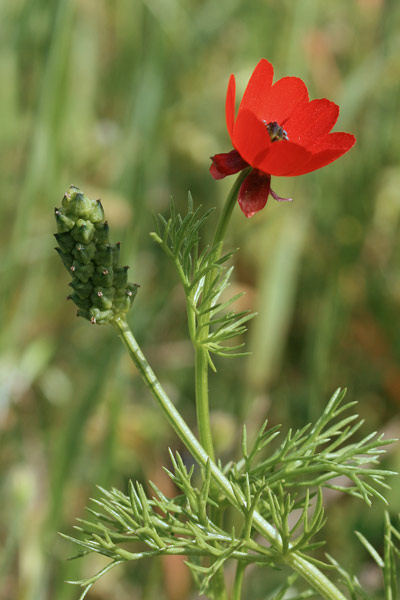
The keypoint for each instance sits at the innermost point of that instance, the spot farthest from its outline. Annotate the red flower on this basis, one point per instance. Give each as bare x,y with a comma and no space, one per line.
277,131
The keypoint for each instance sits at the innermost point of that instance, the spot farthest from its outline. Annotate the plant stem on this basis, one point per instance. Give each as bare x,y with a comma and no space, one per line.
201,358
237,585
202,405
218,587
229,205
308,571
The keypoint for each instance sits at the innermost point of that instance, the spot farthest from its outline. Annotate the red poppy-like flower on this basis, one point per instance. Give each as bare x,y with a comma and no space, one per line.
277,131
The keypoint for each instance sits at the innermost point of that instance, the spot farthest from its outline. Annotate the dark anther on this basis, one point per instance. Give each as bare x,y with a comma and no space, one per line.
276,132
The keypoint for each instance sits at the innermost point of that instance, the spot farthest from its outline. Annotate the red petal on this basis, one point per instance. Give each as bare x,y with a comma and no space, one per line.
338,140
311,121
253,193
250,137
329,149
310,146
283,158
227,163
283,98
230,105
252,141
258,88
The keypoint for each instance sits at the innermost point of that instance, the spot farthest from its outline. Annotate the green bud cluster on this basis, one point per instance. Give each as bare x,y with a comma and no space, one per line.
101,290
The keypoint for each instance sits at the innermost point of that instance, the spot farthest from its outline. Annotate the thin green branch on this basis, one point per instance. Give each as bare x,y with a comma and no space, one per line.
238,583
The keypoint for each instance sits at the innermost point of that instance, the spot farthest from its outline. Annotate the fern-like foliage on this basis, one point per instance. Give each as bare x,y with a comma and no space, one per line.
388,564
324,454
283,481
121,524
204,278
288,590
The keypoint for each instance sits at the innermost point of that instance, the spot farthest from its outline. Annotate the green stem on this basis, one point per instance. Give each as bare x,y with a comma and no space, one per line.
202,405
218,585
308,571
229,205
237,585
201,358
202,361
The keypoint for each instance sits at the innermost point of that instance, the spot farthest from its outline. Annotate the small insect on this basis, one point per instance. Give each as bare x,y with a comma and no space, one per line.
276,132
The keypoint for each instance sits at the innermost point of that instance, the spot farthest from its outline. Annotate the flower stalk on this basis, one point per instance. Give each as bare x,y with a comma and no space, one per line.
201,354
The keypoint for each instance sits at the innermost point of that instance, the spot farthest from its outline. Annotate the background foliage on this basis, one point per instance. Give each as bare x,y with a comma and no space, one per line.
126,100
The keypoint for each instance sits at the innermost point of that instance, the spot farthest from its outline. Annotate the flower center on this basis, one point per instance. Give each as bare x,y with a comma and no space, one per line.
276,132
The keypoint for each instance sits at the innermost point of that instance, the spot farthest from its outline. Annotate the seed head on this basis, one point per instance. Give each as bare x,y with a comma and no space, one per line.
101,288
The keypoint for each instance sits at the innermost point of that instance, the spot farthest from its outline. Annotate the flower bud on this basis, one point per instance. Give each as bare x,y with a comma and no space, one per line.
100,286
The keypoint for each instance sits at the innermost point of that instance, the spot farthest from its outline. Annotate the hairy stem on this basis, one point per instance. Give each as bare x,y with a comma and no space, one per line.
315,578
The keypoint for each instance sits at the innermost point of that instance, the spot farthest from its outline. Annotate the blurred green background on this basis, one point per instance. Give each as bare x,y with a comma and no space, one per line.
125,99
